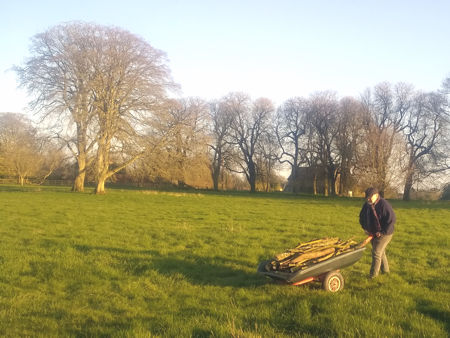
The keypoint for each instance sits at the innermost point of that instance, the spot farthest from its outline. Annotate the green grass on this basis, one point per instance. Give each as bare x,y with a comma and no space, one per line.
142,263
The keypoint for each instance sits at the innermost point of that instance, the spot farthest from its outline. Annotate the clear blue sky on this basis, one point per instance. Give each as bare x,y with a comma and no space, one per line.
277,49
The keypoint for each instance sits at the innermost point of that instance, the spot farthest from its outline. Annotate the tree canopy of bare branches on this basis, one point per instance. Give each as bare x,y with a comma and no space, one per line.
186,144
250,121
385,113
103,91
350,135
322,121
426,139
19,148
290,127
99,85
24,152
220,149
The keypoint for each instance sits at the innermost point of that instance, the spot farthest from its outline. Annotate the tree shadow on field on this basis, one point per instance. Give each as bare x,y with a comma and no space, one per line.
214,270
89,248
430,310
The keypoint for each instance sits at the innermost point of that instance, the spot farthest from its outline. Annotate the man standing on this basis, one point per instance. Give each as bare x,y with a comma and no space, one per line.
377,218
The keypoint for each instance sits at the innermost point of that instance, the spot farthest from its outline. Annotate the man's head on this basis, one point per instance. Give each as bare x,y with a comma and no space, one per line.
372,195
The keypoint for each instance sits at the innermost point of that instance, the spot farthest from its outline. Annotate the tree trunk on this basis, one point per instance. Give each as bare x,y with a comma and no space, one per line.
269,174
252,186
344,180
332,174
78,183
215,177
337,184
215,170
332,185
408,185
407,191
100,187
326,181
103,170
102,165
21,180
294,173
252,176
223,180
315,184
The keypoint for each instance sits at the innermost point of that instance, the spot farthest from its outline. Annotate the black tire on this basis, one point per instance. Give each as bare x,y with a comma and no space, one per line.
333,282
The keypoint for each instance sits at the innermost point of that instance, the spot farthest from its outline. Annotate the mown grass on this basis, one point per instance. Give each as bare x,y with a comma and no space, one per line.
145,263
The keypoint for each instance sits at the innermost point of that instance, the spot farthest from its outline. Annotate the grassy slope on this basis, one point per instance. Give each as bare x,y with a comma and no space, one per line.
171,264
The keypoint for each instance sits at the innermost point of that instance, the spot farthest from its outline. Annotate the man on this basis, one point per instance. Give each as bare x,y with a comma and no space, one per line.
377,218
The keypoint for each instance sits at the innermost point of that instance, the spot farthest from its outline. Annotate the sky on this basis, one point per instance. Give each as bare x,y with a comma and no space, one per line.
275,49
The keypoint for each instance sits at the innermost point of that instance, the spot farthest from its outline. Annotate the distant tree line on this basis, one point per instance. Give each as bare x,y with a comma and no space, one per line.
389,136
104,99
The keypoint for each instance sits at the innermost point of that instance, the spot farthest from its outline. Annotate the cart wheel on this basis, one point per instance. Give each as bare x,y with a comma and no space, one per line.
333,281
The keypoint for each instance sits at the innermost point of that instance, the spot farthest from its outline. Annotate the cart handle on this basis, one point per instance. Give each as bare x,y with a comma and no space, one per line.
364,243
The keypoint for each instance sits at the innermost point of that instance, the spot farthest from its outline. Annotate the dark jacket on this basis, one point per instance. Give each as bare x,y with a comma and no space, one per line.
386,216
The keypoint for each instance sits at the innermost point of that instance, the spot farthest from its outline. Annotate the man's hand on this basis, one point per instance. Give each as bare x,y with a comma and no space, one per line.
378,234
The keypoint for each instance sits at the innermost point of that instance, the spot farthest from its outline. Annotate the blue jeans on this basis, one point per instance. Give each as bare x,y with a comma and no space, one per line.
379,259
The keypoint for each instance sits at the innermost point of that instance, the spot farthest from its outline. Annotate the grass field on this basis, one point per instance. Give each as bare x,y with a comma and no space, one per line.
144,263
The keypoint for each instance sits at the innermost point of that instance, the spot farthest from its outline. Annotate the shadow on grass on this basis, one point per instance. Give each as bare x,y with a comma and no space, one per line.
216,271
430,310
89,248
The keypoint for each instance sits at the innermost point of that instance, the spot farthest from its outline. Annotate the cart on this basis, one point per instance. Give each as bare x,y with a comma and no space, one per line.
327,272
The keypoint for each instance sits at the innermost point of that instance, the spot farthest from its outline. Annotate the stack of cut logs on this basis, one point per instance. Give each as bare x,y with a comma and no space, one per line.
309,253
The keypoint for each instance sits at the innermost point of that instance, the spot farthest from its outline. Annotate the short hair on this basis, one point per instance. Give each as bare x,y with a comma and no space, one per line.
371,191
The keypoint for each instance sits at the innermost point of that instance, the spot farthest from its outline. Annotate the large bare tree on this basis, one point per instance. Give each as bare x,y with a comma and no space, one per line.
186,144
19,146
426,143
250,121
130,82
349,136
268,160
290,128
221,119
322,119
59,75
101,85
385,110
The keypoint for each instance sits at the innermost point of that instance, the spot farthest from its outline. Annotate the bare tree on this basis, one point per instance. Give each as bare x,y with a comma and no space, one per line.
52,157
348,138
290,127
385,112
221,120
59,76
267,160
179,155
185,147
425,132
311,156
19,146
130,79
323,121
250,121
99,84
